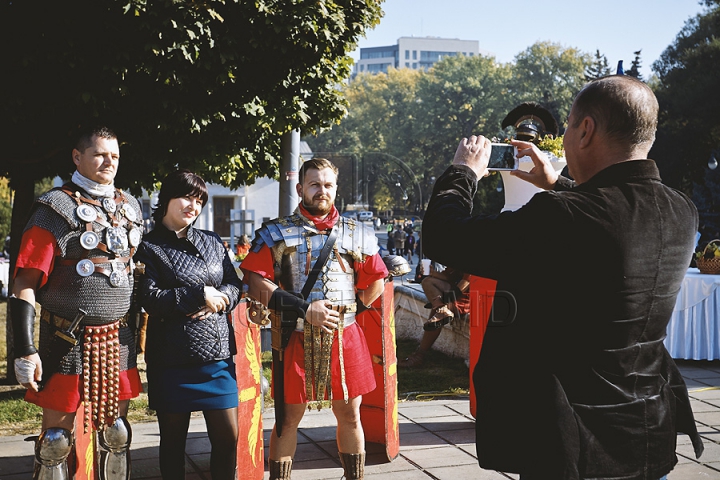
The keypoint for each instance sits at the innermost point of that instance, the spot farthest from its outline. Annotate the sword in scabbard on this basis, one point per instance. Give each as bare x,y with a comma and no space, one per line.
62,342
278,372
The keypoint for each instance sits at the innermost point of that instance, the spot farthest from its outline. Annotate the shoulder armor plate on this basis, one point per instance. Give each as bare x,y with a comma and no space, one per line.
356,239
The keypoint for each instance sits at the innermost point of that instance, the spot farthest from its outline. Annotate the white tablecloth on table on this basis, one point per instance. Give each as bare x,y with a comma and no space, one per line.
4,272
693,332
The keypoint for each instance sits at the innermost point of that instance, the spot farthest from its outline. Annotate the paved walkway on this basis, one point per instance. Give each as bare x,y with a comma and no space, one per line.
436,438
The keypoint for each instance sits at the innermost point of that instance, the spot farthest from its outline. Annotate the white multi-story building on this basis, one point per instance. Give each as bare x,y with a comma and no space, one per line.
415,53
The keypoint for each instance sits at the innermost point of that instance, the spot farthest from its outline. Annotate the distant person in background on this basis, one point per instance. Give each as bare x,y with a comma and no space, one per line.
188,289
410,247
243,246
391,244
399,237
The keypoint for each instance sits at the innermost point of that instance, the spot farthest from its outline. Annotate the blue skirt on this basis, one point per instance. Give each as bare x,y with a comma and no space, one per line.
208,386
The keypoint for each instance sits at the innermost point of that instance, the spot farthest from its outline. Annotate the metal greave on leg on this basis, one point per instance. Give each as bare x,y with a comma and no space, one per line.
114,458
51,453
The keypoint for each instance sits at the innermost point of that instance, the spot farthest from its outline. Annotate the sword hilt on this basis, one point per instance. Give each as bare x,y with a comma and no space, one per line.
69,333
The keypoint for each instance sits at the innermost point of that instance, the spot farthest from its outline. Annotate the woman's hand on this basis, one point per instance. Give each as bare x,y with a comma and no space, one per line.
215,300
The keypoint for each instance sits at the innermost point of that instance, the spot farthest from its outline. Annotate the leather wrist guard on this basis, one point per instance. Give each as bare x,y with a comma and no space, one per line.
289,306
23,322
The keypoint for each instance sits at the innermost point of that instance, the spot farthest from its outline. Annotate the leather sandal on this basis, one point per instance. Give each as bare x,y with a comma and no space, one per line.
441,317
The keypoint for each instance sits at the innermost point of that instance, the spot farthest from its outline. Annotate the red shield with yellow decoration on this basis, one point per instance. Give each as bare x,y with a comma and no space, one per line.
482,292
379,409
248,369
84,447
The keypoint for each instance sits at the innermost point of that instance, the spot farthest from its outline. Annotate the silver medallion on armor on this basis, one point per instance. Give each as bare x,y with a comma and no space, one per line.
109,204
117,276
134,237
129,213
85,268
89,240
86,213
117,239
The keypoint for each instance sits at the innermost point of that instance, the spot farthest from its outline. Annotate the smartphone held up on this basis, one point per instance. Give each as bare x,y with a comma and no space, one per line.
503,156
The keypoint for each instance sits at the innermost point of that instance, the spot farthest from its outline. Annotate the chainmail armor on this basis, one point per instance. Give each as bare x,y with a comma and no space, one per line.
66,291
72,362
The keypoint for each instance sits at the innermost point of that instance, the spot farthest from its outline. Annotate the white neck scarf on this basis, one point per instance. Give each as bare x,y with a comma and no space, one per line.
93,188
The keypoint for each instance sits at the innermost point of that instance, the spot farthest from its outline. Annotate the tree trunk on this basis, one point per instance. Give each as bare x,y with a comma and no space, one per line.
24,188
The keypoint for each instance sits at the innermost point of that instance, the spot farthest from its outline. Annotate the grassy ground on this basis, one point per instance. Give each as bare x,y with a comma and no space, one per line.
439,375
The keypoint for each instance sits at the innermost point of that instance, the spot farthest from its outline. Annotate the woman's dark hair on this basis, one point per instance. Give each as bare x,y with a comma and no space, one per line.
177,184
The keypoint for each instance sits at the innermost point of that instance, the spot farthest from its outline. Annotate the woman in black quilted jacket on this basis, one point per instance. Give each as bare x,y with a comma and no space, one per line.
188,289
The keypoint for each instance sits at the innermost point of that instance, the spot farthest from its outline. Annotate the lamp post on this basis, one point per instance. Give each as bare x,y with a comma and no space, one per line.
407,170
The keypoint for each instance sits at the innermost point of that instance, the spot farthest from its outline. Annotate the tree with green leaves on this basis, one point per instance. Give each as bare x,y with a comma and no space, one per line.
210,86
551,75
635,66
415,120
381,120
689,128
460,97
598,68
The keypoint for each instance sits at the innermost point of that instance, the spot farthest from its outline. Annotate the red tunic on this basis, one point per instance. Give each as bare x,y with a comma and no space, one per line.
359,375
62,392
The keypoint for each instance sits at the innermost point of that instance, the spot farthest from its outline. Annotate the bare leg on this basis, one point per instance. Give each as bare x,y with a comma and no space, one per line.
350,436
222,427
173,434
56,419
434,287
283,448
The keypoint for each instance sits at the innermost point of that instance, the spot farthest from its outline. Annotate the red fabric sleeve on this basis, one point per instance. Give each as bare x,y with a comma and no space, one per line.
260,262
38,249
369,271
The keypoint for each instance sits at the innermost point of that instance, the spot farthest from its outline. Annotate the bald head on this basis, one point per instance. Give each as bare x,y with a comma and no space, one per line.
624,109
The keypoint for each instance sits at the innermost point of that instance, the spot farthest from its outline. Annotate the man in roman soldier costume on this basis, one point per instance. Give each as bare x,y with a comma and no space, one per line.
76,262
315,270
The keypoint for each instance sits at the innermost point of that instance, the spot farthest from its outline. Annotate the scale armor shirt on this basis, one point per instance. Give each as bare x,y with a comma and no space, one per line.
293,238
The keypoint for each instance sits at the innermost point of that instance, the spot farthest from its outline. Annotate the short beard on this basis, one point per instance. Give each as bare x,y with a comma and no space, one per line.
315,210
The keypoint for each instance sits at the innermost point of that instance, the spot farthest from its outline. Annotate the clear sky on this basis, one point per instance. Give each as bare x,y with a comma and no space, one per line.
616,27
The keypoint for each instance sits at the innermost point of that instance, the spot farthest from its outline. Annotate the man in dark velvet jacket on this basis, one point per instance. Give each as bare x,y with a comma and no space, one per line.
580,384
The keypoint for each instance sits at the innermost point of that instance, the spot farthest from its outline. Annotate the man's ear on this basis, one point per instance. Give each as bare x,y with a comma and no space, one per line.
76,156
588,129
298,189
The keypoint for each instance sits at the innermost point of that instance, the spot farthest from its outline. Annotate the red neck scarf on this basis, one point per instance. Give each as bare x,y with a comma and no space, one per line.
321,223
